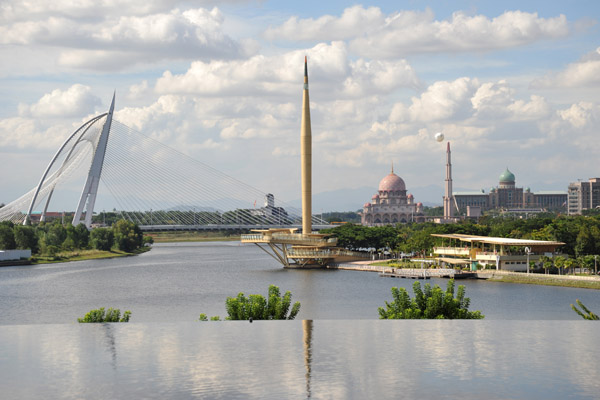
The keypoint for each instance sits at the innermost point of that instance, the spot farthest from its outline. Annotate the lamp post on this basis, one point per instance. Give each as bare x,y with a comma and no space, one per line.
528,251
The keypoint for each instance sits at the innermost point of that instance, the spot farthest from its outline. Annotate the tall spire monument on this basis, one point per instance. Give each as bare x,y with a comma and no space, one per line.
448,198
306,157
306,249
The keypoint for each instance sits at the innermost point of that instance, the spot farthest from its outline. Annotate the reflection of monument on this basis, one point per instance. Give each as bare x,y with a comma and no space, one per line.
307,328
391,204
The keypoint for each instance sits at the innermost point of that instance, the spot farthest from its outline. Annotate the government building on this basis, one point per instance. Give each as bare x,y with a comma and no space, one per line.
584,195
391,204
508,197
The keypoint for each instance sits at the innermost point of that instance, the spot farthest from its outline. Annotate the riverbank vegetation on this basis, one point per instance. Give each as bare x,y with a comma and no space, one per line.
545,280
581,235
58,242
429,303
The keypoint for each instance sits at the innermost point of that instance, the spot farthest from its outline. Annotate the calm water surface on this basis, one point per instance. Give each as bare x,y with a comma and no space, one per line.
334,359
338,349
177,282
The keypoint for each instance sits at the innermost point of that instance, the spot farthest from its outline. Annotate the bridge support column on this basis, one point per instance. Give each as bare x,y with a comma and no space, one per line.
90,189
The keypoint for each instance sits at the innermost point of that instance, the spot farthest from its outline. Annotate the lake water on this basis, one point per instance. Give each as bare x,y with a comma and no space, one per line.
332,359
177,282
530,346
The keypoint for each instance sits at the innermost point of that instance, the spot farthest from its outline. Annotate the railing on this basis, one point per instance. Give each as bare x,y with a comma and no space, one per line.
283,237
455,251
296,253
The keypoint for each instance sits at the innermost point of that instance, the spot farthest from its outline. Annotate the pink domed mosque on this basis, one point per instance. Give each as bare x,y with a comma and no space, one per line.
391,204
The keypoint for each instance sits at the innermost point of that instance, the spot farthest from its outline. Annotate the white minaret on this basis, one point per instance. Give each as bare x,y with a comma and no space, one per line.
448,198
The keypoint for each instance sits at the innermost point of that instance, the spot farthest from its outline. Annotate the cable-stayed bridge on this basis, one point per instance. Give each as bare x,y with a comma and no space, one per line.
151,184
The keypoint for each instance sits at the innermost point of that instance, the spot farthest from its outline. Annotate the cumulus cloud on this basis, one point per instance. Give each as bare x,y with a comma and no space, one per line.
125,39
75,101
335,73
354,20
371,33
467,98
581,114
442,100
583,73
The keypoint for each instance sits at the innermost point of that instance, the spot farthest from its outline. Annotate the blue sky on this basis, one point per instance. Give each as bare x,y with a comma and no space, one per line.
510,84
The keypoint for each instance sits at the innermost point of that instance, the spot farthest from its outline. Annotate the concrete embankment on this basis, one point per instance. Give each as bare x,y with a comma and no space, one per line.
588,282
359,266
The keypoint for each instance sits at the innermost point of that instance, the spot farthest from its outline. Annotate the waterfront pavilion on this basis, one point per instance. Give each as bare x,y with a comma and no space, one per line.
503,253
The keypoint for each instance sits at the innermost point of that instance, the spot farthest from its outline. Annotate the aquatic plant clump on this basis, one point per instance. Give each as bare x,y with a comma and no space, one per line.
429,303
101,316
256,307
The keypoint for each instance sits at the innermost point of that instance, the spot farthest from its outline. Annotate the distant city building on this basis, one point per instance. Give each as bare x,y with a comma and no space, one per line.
507,196
269,211
391,204
583,195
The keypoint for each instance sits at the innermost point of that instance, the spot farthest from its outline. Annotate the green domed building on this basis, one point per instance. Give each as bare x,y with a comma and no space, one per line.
507,196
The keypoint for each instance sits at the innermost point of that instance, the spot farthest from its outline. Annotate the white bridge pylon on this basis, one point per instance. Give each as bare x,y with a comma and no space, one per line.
84,134
90,190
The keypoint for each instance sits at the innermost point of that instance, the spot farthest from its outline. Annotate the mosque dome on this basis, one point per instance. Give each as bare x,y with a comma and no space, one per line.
507,177
367,205
390,183
375,196
410,196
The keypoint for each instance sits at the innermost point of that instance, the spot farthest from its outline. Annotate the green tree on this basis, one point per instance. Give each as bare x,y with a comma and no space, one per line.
26,238
56,234
256,307
148,240
559,262
100,316
429,303
78,235
7,236
127,236
102,238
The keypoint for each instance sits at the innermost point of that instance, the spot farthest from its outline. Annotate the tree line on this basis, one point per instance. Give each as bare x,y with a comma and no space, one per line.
581,234
48,239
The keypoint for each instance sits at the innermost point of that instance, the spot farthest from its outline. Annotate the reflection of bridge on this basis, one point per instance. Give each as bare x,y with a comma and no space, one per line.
148,183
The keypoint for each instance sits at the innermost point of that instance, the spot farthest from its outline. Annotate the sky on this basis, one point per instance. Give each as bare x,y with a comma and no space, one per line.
510,85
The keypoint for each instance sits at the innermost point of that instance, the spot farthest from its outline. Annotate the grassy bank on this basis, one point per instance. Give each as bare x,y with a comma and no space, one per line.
547,281
80,255
189,236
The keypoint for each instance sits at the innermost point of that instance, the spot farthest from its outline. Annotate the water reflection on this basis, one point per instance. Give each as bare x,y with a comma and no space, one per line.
302,359
307,327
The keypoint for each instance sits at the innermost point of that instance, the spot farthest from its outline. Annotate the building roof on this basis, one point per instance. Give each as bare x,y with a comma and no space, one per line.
392,182
507,177
498,240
